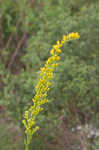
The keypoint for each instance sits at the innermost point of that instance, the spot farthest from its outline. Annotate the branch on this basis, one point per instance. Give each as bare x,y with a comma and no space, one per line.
16,51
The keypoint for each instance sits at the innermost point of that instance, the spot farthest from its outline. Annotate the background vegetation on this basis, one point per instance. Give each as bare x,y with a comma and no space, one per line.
28,29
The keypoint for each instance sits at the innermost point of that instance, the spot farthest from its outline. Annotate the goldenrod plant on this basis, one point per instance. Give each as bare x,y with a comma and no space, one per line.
42,87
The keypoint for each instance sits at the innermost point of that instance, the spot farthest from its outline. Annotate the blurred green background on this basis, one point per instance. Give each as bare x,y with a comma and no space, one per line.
28,29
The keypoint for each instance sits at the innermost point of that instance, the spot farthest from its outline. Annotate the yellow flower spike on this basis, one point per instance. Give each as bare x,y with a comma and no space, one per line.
58,42
55,46
26,115
52,52
64,38
43,102
54,65
77,35
43,86
62,42
58,51
71,35
43,69
35,129
57,58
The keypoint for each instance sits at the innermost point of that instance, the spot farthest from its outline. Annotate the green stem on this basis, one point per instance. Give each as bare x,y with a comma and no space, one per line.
27,146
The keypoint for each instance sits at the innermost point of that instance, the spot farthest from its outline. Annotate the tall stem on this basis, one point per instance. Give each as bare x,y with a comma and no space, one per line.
27,147
27,144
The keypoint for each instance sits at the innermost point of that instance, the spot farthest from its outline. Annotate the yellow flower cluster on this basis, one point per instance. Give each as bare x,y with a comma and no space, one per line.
43,86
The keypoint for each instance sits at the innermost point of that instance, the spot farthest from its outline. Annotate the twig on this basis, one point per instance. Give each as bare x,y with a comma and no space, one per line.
88,3
71,5
11,36
1,37
16,51
33,1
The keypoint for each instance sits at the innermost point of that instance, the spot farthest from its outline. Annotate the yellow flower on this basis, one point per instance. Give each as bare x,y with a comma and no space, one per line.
64,38
58,50
43,86
52,52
